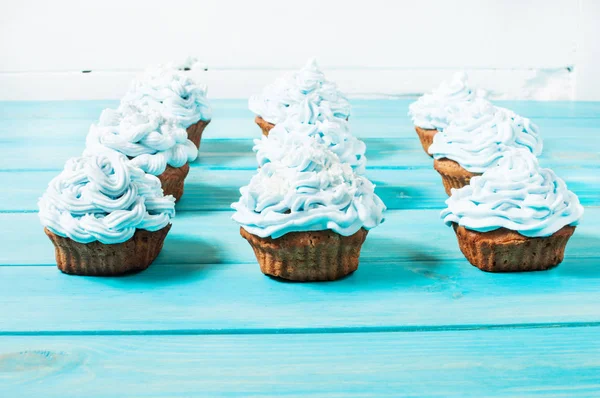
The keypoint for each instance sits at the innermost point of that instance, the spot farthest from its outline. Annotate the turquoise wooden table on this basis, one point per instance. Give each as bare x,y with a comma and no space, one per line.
416,319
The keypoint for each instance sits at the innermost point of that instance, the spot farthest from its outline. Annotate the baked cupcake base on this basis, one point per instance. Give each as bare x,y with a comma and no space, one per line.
426,137
453,174
98,259
264,125
172,180
503,250
308,256
195,131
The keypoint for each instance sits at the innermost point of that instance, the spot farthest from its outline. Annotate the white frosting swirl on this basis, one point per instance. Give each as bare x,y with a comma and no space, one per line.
149,140
480,134
104,198
305,187
518,195
305,94
334,134
434,110
172,92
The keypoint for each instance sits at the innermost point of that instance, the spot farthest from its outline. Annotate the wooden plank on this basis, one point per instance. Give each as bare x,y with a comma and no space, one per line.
208,189
237,108
424,291
41,131
399,153
212,237
525,363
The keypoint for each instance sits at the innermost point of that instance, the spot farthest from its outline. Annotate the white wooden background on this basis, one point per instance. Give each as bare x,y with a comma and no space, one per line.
538,49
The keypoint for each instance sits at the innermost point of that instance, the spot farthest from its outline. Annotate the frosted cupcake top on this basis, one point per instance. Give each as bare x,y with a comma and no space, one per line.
334,134
305,187
518,195
434,110
170,91
104,198
478,139
147,138
305,94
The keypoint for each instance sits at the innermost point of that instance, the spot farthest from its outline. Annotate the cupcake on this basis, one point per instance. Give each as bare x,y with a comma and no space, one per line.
305,213
175,95
156,145
517,216
476,139
432,112
105,216
305,94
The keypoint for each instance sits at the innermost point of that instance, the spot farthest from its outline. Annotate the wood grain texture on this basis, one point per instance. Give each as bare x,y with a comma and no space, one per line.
208,237
238,298
236,154
415,319
559,362
216,189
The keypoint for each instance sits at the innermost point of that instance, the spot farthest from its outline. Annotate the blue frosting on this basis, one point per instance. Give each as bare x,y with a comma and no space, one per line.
302,185
173,93
517,194
304,95
480,134
104,198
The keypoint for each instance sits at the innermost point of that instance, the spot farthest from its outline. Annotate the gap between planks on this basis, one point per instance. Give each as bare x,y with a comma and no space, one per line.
330,330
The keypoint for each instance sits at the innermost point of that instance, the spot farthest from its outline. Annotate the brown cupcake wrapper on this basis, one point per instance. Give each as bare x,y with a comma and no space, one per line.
172,180
503,250
195,131
308,256
98,259
426,137
453,174
264,125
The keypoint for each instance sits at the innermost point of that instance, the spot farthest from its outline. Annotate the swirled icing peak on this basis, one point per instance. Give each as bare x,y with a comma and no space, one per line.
145,136
334,134
172,92
104,198
305,187
478,138
305,95
434,110
518,195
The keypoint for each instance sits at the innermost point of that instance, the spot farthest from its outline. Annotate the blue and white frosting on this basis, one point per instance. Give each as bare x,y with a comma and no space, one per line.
334,134
104,198
435,110
306,95
145,136
303,186
171,92
478,138
518,195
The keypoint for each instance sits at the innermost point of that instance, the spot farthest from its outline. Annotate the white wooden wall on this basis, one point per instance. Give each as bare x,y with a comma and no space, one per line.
542,49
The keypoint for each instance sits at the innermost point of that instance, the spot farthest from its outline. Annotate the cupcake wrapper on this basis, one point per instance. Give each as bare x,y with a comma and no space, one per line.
503,250
426,137
264,125
172,180
195,131
98,259
308,256
453,175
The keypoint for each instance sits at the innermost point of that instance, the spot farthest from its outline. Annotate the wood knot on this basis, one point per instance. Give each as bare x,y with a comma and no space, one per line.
44,361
